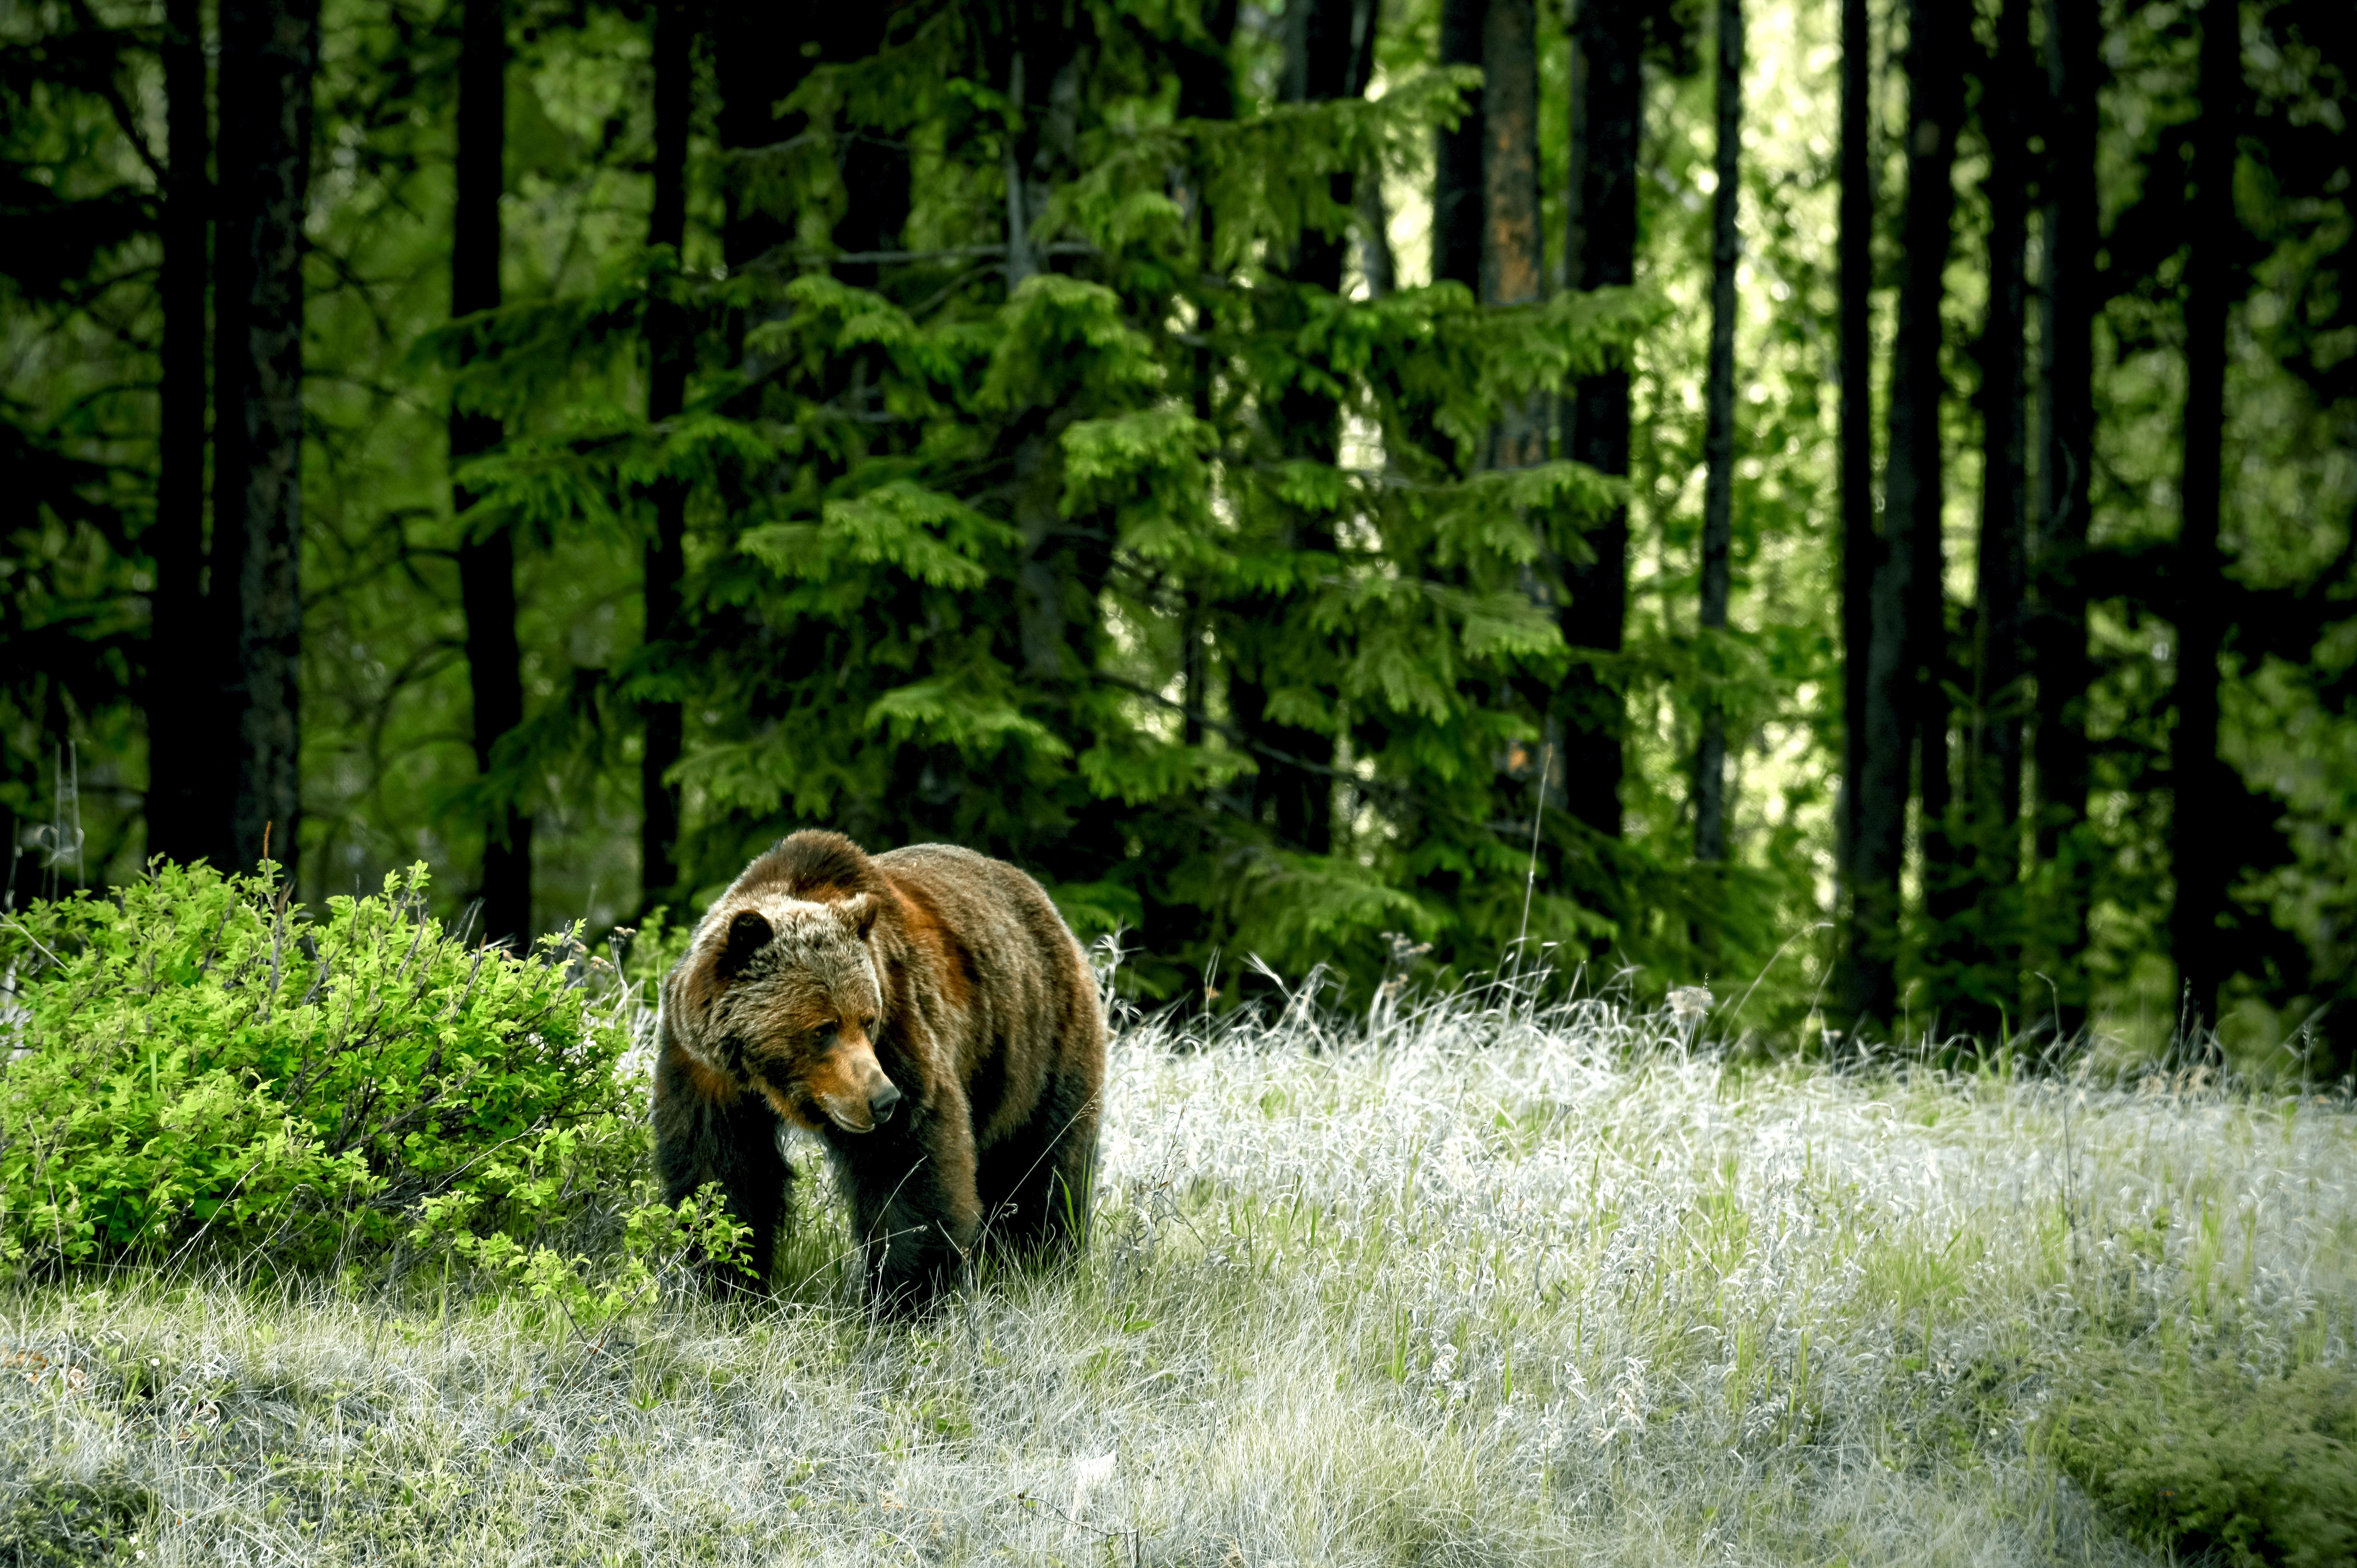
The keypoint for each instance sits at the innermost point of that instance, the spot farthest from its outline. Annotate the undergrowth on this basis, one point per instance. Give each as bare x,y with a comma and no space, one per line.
1468,1281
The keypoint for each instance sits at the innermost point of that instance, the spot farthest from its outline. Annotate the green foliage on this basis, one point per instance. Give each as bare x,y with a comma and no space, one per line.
588,1291
2206,1457
196,1060
1053,570
51,1521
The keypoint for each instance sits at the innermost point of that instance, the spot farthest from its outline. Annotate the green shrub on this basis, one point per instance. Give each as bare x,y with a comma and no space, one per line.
193,1058
2208,1459
48,1520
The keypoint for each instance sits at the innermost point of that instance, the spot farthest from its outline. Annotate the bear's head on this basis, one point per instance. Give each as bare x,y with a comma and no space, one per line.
781,995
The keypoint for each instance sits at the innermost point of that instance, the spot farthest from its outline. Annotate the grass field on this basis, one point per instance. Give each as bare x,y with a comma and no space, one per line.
1466,1285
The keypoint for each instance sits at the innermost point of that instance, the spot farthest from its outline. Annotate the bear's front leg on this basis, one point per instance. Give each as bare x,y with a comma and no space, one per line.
731,1139
913,1211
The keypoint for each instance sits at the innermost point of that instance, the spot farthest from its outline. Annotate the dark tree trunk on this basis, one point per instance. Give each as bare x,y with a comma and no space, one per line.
1513,254
668,349
1513,266
176,655
1607,123
1374,221
1916,490
874,167
1861,546
1906,697
1718,440
2197,845
269,51
1995,751
1513,272
2066,445
756,59
487,556
1207,91
1456,165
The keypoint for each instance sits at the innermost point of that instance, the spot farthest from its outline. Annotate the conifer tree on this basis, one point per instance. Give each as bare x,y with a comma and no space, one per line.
1994,773
1905,704
487,550
269,49
176,686
2065,464
1861,544
2198,845
1718,501
1607,122
669,350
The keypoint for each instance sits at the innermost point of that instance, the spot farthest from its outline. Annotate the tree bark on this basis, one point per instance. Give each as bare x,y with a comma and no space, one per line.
665,563
1861,545
756,59
1608,122
875,167
1935,75
1457,165
2002,565
1513,254
2066,444
2197,845
1207,91
269,52
1718,439
176,655
1906,700
486,557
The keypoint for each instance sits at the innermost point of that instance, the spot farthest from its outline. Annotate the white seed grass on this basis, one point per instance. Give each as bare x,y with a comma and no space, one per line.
1466,1286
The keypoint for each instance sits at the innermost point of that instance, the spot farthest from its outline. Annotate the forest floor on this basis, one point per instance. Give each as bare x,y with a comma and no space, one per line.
1466,1285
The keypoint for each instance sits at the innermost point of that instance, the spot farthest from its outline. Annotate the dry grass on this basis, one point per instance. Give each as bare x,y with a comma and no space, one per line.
1466,1285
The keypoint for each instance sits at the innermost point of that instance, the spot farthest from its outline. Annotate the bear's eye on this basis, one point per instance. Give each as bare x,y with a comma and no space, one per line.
867,1024
825,1033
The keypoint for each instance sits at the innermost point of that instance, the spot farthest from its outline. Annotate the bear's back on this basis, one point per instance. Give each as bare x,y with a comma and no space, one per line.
1003,919
997,959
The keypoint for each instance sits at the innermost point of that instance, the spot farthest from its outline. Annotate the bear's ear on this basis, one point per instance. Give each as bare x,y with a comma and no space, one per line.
861,909
749,933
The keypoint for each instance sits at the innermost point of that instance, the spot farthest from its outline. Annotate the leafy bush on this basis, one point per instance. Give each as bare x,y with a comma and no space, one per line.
2265,1472
192,1057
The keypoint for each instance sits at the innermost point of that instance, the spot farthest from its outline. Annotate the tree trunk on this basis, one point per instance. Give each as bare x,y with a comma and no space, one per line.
1995,751
1916,490
756,59
875,167
1861,546
269,51
1607,123
1457,163
1905,698
176,689
668,351
2066,453
1718,440
1207,91
486,557
2197,844
1514,255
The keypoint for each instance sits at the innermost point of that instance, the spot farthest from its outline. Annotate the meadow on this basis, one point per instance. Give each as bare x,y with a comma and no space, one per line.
1468,1280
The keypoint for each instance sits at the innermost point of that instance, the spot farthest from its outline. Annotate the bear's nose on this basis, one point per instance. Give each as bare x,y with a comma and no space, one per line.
880,1103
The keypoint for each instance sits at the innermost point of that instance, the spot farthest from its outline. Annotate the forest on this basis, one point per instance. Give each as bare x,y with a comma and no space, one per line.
1847,504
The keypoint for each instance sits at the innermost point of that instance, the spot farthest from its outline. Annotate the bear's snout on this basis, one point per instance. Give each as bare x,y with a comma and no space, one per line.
851,1088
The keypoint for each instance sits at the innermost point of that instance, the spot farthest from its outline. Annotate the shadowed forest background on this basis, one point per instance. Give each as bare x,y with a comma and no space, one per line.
1848,502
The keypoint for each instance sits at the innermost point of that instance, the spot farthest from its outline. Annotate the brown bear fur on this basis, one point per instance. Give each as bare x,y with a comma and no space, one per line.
927,1014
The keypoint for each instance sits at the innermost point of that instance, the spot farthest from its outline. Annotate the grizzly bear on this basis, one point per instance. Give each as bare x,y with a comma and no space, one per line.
928,1014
